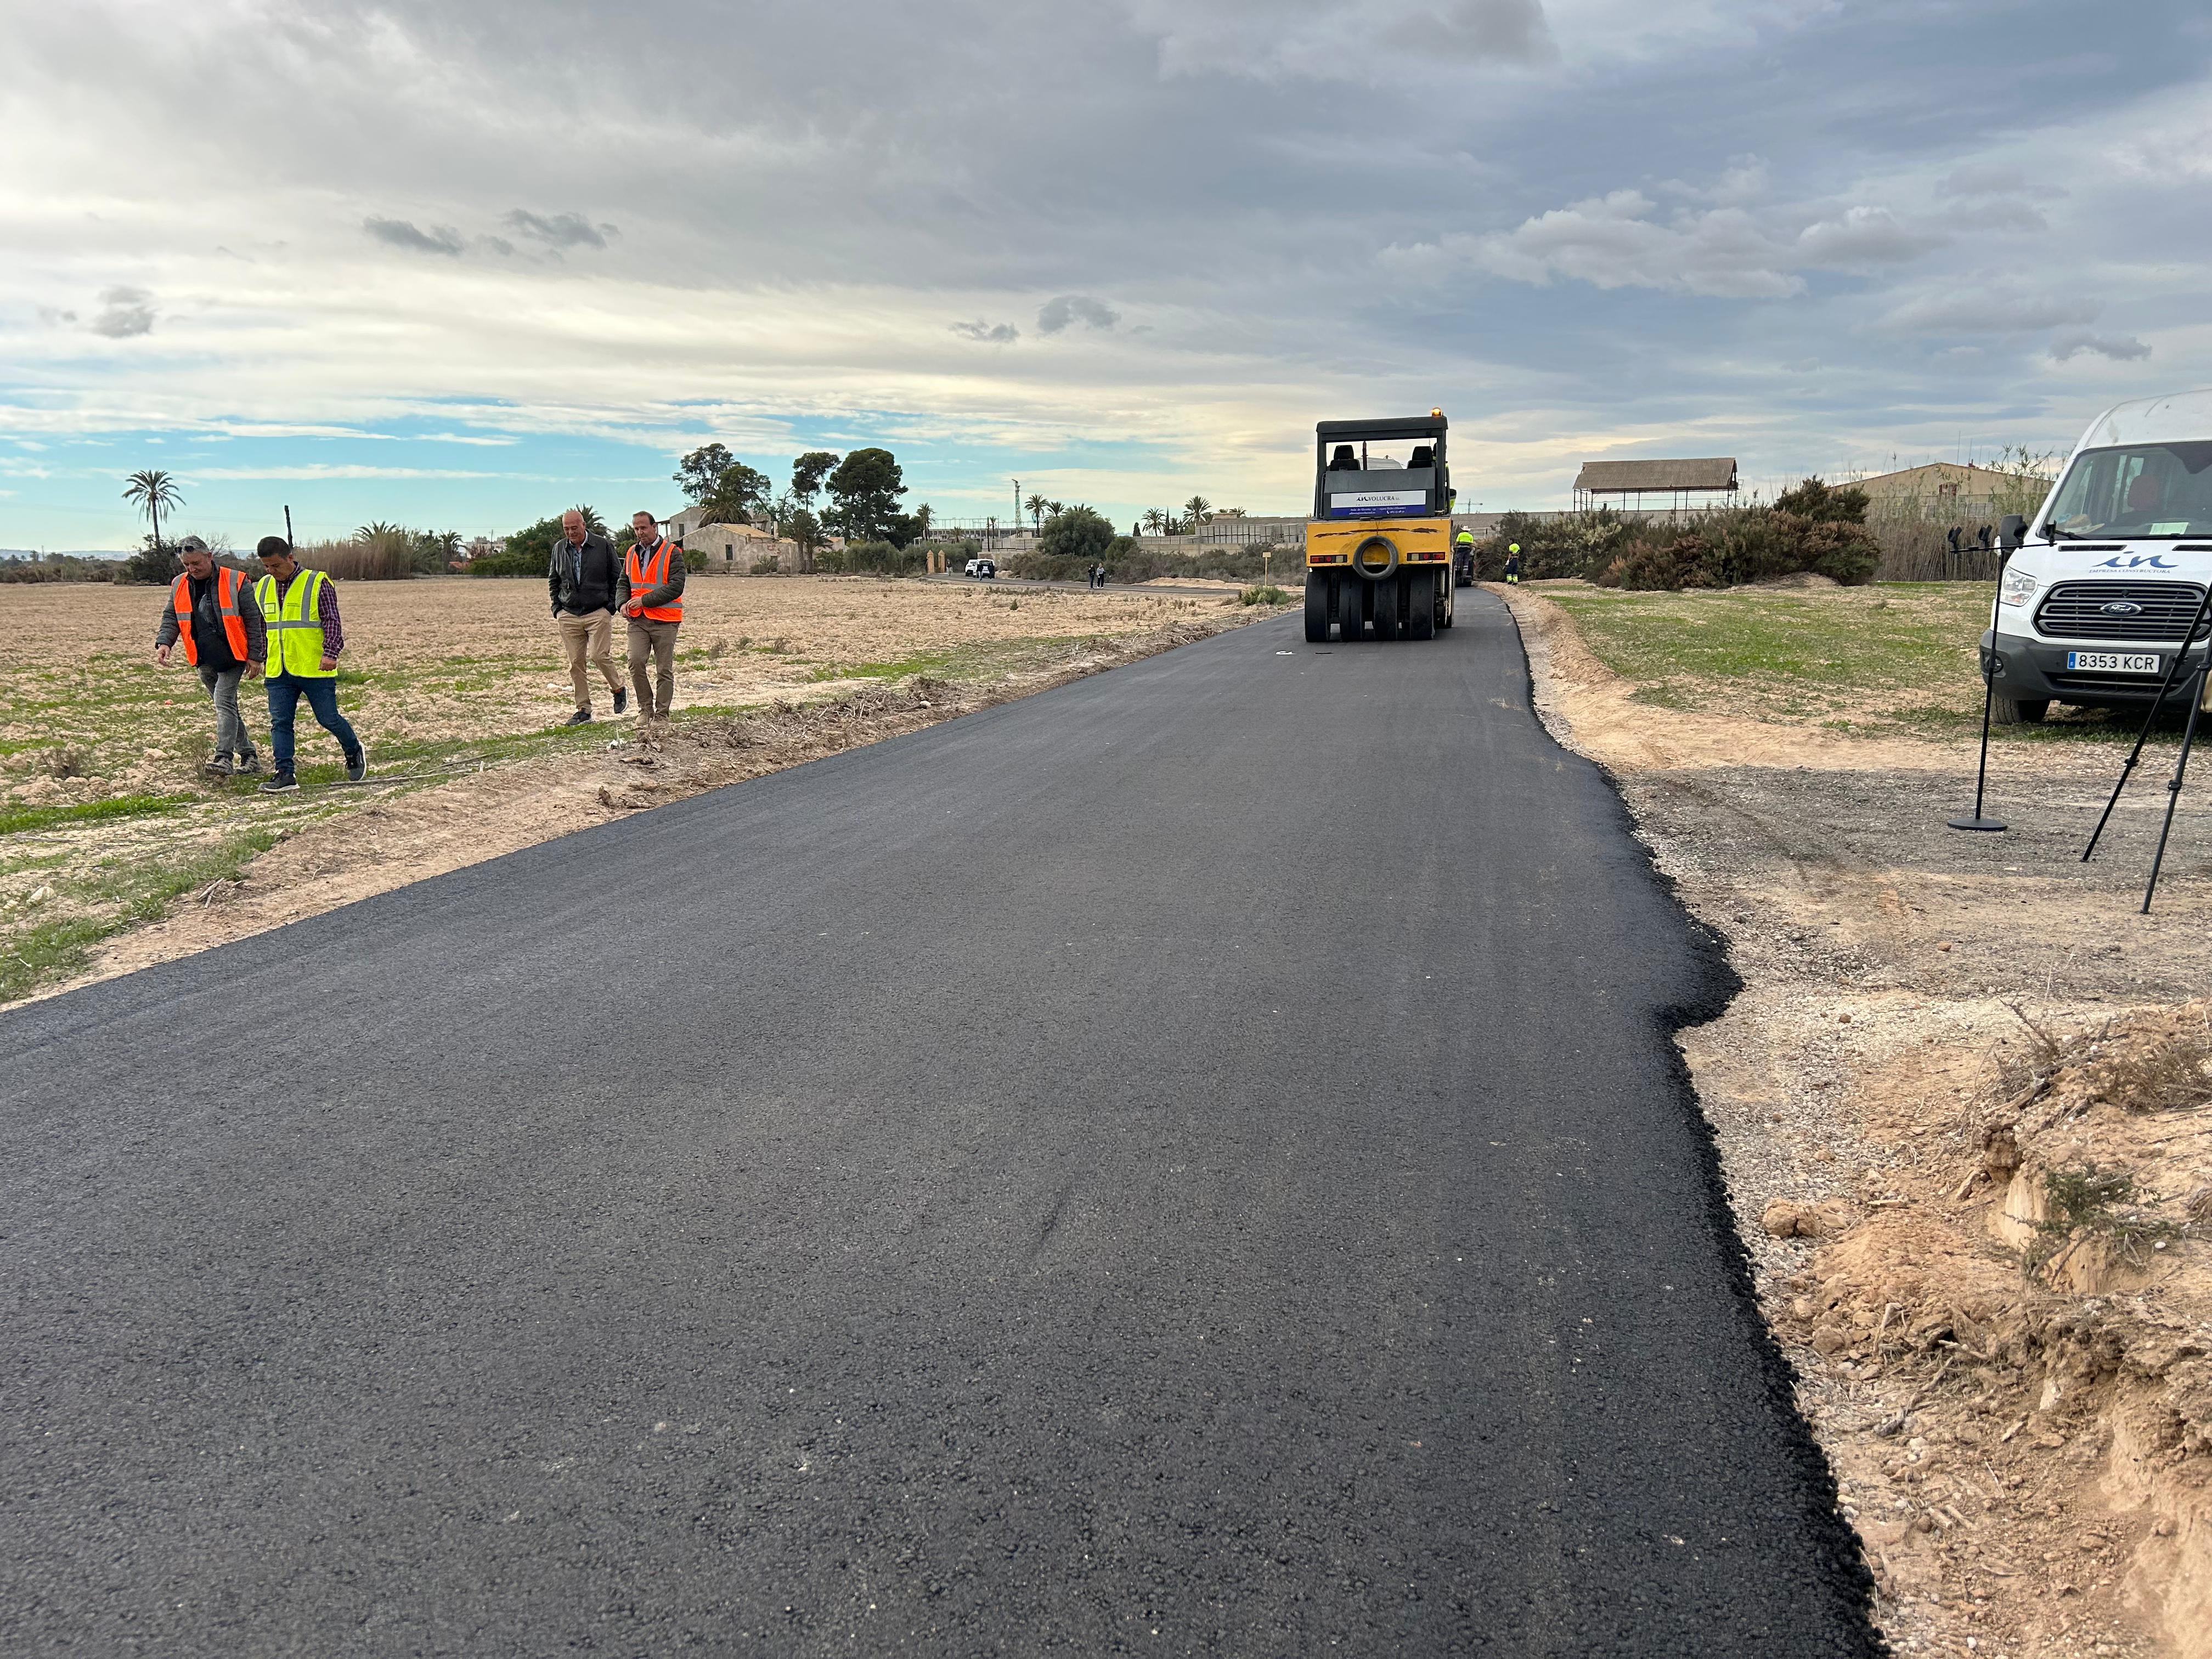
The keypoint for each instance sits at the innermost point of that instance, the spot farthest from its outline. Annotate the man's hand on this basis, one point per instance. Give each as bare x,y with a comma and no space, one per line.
253,670
329,662
161,655
633,611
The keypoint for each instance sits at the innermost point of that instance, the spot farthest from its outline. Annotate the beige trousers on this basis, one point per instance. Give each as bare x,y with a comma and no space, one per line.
589,639
659,639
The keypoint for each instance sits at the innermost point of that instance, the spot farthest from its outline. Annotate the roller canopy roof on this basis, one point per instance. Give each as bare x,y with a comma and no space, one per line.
1402,427
2178,417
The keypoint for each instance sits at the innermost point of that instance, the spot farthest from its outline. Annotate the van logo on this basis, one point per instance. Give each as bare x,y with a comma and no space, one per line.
2122,608
2133,561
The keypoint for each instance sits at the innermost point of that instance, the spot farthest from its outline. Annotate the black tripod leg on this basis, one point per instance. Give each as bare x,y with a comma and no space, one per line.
2173,784
2165,689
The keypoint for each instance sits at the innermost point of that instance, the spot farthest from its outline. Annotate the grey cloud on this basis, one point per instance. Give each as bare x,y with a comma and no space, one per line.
402,233
1511,31
1984,181
125,312
1371,40
2002,214
2120,348
560,230
1979,309
1863,236
1617,240
53,319
500,245
1059,313
989,333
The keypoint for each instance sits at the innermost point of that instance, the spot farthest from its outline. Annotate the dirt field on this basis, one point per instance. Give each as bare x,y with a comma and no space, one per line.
115,849
1963,1101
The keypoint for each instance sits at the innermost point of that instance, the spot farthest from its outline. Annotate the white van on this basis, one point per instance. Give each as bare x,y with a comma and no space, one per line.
2113,569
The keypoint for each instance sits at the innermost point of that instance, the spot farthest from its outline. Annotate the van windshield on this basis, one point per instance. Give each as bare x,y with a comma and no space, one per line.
2146,491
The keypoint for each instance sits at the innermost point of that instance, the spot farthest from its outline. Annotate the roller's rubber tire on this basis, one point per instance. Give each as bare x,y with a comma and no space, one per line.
1420,601
1387,594
1316,607
1352,607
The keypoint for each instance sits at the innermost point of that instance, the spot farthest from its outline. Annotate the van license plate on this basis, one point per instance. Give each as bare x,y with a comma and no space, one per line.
2112,662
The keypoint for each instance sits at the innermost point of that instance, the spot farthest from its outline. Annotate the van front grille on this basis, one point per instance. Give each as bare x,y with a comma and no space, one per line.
2084,610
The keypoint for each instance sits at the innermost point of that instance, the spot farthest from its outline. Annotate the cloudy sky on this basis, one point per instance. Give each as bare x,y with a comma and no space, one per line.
460,263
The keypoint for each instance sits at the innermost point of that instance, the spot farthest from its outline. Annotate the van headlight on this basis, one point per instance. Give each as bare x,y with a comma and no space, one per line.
2018,588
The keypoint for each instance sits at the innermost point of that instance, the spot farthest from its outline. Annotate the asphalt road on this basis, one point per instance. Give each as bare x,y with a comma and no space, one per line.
1190,1161
1025,584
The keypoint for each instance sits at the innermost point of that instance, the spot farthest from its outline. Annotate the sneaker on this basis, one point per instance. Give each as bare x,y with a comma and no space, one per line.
250,767
218,766
581,717
357,764
282,784
621,699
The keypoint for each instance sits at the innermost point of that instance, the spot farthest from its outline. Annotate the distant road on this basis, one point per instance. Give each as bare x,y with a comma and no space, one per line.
1189,1162
1111,587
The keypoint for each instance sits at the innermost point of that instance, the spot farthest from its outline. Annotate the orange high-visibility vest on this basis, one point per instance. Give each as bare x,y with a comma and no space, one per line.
643,579
226,600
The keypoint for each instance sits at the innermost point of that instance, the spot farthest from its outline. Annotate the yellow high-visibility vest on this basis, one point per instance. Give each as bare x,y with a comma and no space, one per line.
295,625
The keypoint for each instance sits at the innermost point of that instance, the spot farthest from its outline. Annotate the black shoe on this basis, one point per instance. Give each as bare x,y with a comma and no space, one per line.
621,699
581,717
217,767
282,784
357,764
249,766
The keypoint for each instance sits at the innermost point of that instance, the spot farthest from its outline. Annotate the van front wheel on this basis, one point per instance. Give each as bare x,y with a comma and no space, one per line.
2018,711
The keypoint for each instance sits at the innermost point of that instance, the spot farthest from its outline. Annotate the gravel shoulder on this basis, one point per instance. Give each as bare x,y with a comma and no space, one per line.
1966,1116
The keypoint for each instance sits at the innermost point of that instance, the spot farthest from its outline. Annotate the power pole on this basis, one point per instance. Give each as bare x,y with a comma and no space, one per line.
1017,504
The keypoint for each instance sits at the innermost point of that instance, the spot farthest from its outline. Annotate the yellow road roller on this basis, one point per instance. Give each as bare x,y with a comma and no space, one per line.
1378,546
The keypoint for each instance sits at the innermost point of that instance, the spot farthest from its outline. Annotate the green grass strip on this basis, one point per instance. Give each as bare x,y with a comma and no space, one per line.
55,950
14,819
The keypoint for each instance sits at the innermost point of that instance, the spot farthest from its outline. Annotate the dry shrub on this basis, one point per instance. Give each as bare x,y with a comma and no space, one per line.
2167,1073
384,560
67,763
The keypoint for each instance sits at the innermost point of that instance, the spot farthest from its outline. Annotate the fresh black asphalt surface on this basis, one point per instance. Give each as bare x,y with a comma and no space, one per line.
1189,1162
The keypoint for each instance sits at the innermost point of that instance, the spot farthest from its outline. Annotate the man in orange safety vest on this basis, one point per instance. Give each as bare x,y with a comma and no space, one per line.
650,592
213,618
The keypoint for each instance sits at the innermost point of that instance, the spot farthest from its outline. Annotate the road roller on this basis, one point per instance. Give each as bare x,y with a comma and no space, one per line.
1378,546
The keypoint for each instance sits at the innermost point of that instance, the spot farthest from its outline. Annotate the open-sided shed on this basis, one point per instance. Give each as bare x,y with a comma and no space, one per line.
1632,481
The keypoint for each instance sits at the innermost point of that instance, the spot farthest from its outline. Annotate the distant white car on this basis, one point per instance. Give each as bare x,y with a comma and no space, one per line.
982,569
972,563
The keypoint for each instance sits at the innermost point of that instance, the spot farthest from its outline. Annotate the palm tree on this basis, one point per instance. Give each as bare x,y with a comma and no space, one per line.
1035,504
1155,521
1197,510
1053,510
153,490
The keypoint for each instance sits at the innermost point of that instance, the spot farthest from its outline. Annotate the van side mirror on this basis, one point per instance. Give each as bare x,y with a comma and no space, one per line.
2012,532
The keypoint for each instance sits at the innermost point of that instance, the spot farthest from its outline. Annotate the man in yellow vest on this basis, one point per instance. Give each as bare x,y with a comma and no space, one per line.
211,614
300,610
650,592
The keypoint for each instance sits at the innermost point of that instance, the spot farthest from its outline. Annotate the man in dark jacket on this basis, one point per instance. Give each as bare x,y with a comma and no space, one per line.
226,641
581,581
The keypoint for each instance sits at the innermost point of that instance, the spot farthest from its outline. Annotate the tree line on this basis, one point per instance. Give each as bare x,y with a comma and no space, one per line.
862,490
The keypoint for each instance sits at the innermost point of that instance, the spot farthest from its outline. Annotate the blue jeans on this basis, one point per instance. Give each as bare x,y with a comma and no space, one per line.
285,691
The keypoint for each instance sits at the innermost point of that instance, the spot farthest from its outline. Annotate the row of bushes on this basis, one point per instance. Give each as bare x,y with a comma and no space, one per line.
1814,528
57,568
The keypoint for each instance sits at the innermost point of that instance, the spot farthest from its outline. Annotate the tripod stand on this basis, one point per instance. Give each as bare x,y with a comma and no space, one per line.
2197,678
1976,821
